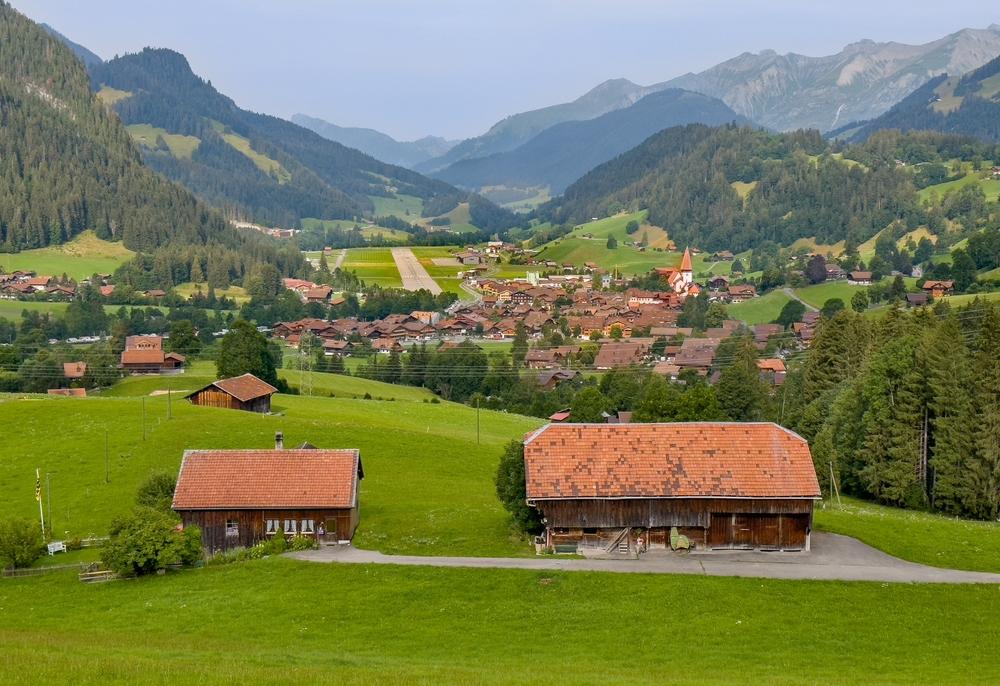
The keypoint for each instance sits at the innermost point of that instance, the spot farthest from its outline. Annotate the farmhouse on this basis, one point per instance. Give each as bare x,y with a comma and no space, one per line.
245,392
859,278
939,289
241,497
144,355
623,487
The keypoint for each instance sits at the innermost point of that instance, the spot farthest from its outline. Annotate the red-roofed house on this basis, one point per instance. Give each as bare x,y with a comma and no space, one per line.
241,497
74,370
623,487
245,392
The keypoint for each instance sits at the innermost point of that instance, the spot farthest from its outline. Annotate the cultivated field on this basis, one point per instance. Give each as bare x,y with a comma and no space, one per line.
374,266
79,258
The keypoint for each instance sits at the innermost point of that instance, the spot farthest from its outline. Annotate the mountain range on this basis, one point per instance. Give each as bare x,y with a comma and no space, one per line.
379,145
257,166
86,56
781,92
964,105
566,151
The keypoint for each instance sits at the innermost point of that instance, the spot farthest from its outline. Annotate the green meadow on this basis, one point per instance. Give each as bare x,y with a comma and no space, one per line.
180,146
374,266
280,621
79,258
406,207
762,310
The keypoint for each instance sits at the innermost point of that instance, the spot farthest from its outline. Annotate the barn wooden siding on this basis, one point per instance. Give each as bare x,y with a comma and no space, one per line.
708,522
213,397
340,524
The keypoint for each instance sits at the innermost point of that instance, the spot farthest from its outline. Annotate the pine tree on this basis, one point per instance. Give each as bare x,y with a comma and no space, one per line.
740,390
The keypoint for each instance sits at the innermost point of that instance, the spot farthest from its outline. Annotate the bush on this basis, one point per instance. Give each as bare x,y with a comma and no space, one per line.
20,543
511,490
147,540
157,492
302,543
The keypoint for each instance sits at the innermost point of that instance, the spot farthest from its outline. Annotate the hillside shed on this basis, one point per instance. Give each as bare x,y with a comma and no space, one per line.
623,487
241,497
245,392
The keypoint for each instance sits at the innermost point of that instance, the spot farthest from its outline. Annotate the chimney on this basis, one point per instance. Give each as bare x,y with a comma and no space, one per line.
279,440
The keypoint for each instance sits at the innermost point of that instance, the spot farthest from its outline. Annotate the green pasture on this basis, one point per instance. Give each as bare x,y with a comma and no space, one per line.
181,147
374,266
817,294
762,310
281,621
406,207
79,258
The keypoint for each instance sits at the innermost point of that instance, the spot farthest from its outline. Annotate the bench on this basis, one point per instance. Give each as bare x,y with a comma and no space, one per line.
56,547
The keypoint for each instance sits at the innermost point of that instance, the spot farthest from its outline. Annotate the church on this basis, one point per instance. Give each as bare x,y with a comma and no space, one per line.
680,280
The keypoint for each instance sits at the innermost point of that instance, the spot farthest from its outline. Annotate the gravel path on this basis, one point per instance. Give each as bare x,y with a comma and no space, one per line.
413,274
340,260
833,557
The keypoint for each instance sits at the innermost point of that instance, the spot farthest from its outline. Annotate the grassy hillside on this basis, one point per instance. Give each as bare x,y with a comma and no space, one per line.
990,186
818,294
181,147
81,257
284,622
428,486
762,310
406,207
930,539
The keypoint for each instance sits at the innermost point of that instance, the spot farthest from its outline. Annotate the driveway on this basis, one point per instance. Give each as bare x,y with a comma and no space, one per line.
832,558
413,274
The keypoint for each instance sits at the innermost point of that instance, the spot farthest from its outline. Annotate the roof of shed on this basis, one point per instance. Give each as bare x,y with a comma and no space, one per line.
676,460
244,388
246,479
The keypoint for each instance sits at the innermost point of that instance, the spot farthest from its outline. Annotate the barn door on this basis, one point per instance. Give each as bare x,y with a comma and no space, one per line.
766,532
742,531
720,530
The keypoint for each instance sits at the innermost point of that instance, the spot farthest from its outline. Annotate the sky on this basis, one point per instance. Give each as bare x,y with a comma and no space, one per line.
453,68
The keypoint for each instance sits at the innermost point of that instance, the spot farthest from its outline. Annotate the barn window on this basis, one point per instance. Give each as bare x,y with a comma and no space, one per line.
307,526
289,526
232,527
273,526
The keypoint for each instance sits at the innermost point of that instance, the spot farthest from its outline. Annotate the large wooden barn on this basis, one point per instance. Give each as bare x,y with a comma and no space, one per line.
245,392
241,497
624,487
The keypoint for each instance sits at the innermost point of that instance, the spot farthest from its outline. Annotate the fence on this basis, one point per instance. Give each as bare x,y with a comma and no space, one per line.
38,571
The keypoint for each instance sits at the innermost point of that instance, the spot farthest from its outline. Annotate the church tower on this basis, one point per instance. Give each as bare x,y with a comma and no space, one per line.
687,273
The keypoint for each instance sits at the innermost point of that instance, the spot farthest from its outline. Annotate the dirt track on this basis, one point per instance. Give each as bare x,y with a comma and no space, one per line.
412,273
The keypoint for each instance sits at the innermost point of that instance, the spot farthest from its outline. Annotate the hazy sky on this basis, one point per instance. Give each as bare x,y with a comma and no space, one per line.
454,67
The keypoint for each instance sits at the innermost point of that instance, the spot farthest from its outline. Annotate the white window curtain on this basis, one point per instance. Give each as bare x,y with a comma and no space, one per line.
307,526
289,526
273,526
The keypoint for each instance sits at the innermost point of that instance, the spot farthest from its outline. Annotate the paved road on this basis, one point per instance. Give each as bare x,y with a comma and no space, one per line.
412,272
832,557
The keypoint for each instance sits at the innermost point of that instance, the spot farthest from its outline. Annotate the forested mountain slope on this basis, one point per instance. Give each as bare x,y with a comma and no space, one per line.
564,152
967,105
256,165
379,145
733,187
69,165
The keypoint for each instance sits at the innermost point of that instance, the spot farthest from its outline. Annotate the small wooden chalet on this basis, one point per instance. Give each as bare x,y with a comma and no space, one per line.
624,486
241,497
245,392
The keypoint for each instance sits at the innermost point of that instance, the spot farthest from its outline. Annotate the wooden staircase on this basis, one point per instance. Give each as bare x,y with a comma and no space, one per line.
620,543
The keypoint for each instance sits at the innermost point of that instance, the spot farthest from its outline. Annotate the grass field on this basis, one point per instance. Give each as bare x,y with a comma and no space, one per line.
811,245
460,219
286,622
446,276
762,310
918,536
818,294
267,165
12,309
369,231
406,207
109,96
180,146
83,256
991,187
374,266
237,294
428,487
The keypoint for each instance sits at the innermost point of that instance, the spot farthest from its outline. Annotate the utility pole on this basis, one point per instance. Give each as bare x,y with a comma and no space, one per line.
477,419
38,497
170,413
107,476
143,420
48,497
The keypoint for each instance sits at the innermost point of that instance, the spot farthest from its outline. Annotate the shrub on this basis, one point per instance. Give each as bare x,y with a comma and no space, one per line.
302,543
157,491
276,546
511,490
20,543
147,540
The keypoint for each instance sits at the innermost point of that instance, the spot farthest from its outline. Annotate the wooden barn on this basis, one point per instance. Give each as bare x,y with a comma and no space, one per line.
245,392
624,487
241,497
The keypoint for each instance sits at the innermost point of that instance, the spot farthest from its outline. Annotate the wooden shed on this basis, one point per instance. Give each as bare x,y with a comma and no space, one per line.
240,497
624,487
245,392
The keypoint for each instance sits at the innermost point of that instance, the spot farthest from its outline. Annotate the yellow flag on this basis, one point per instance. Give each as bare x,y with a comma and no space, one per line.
38,487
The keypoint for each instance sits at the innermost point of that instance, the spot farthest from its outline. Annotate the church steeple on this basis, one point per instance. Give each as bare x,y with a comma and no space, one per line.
686,270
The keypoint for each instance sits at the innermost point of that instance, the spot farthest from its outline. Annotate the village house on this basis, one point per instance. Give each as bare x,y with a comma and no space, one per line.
245,392
623,488
938,289
772,370
834,271
623,354
468,257
241,497
550,379
741,292
386,346
74,371
540,359
857,278
697,354
144,355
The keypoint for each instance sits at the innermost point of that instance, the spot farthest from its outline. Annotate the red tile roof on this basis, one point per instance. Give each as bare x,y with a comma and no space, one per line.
679,460
72,392
243,388
250,479
142,357
74,370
